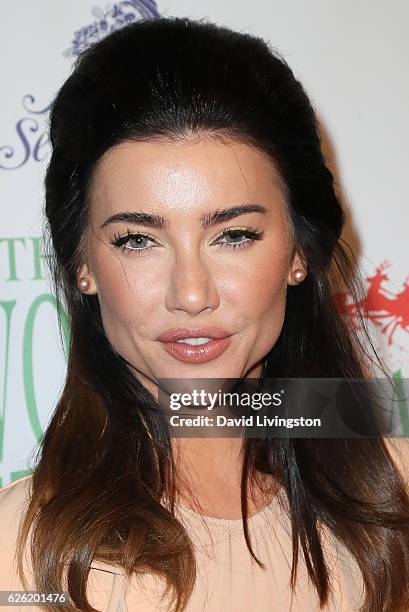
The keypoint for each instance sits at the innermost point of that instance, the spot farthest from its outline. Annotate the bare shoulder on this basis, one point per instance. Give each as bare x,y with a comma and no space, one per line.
399,451
13,499
104,581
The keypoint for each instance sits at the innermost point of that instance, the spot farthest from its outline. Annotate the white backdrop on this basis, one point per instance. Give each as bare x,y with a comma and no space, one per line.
352,57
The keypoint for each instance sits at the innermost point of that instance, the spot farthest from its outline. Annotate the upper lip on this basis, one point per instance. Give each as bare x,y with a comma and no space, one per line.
180,333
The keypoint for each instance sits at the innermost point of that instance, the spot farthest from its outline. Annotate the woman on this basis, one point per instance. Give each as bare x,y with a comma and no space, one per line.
187,196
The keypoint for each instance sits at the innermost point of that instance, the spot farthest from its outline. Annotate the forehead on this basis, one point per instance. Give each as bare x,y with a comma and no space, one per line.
183,175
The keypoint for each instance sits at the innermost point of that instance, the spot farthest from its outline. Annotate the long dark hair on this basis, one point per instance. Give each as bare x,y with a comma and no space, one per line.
103,471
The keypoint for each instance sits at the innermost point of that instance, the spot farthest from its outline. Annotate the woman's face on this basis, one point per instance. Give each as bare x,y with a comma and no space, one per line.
195,269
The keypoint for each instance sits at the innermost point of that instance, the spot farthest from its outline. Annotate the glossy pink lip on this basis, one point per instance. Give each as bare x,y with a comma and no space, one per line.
181,333
195,354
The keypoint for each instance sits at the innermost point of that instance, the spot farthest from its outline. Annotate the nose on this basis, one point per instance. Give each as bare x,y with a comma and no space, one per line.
192,287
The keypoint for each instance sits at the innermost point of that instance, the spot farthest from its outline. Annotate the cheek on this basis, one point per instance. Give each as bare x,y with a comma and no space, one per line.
261,299
126,297
258,286
268,316
268,309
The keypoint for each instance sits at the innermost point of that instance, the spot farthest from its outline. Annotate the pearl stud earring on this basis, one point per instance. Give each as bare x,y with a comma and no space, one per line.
299,276
83,284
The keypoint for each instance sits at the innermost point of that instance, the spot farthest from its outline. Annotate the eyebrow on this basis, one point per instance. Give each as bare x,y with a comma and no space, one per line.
209,219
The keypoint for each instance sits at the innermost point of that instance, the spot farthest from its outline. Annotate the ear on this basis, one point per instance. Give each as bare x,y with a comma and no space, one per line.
297,264
85,274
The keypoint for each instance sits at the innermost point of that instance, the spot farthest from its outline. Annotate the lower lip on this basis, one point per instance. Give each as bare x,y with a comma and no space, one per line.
199,353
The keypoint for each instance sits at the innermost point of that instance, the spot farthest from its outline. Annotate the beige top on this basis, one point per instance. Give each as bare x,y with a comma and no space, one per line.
228,579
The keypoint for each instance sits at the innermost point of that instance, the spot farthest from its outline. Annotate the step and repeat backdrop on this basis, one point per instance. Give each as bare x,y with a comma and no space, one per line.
352,57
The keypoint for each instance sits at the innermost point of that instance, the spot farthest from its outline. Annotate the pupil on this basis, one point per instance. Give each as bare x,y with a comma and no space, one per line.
234,234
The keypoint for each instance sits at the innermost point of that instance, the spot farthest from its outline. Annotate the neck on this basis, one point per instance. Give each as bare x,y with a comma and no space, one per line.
209,477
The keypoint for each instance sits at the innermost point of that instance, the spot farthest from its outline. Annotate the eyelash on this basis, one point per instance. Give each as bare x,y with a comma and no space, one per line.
120,240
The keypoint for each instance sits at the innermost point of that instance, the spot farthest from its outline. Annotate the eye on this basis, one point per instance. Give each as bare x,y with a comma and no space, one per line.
136,240
232,234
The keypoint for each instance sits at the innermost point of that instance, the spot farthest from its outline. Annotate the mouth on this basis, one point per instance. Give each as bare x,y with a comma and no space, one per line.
195,345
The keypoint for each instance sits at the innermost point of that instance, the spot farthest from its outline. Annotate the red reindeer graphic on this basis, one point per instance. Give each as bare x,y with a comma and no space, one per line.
377,305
